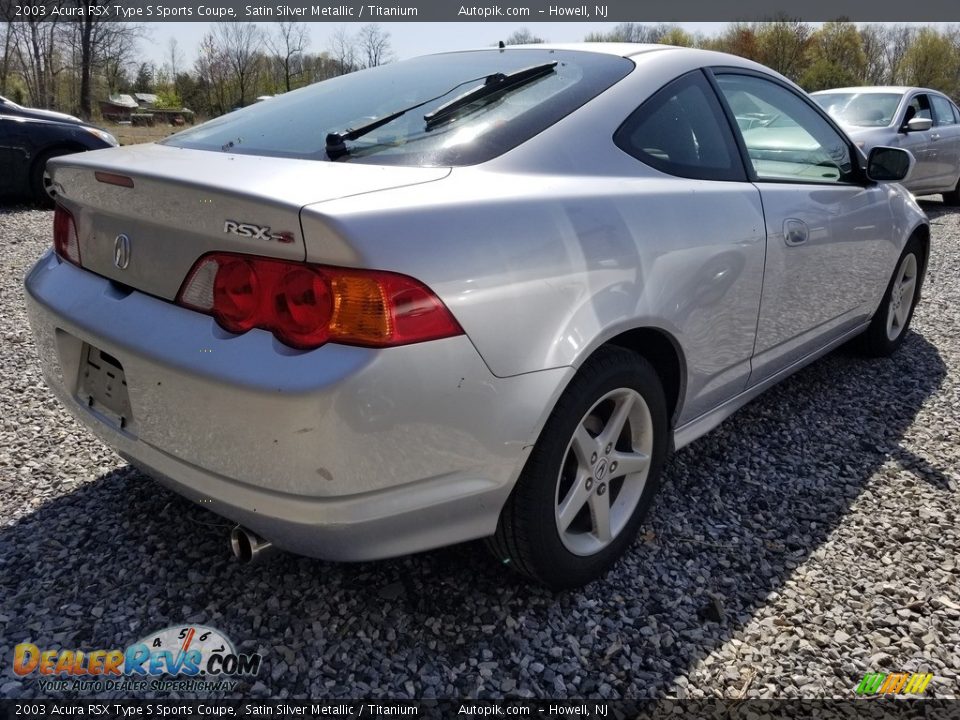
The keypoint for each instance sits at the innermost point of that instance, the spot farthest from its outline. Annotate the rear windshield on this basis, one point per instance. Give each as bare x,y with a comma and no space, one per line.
296,124
861,109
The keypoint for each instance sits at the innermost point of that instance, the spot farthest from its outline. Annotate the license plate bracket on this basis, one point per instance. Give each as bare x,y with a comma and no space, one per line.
103,386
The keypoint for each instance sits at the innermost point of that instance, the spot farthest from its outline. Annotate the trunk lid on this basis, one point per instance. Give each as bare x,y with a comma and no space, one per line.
185,203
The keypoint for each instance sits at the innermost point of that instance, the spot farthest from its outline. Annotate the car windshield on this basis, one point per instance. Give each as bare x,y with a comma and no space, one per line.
861,109
297,123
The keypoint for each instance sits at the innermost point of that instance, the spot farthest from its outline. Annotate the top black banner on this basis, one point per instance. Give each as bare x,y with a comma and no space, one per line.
511,11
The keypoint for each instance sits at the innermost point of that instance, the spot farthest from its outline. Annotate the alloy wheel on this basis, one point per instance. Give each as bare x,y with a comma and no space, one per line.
604,471
902,294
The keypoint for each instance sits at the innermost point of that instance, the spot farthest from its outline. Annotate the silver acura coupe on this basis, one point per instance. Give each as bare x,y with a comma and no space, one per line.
471,295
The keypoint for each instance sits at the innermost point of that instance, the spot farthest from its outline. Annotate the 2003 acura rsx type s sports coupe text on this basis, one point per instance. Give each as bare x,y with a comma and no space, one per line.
478,294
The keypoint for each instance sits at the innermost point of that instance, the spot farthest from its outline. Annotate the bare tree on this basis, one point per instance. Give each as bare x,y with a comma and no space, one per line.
212,66
174,57
35,43
898,40
117,53
5,60
874,44
288,45
343,50
90,39
240,45
632,32
523,36
374,44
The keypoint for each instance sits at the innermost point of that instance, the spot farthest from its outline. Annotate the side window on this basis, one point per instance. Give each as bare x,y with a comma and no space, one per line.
919,107
681,130
956,114
786,138
943,109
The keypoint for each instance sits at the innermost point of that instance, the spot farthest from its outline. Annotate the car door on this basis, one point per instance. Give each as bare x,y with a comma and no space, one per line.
698,231
946,137
829,234
918,142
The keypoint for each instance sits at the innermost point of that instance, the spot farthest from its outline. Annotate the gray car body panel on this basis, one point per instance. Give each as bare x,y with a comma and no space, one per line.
542,254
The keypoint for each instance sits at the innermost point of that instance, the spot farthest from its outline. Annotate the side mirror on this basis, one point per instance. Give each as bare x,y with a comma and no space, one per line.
918,125
887,164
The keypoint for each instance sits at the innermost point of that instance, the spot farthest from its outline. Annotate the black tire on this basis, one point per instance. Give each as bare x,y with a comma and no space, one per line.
38,187
875,341
528,538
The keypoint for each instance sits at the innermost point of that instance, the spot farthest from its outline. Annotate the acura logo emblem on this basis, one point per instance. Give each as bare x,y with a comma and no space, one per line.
121,251
600,470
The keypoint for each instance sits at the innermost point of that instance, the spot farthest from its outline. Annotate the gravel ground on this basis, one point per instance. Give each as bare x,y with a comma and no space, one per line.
812,538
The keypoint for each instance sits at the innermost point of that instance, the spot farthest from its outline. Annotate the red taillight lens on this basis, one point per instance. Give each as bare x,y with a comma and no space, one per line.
301,315
236,295
305,306
65,241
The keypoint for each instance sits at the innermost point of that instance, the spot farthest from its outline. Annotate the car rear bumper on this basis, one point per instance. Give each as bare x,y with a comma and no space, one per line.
343,453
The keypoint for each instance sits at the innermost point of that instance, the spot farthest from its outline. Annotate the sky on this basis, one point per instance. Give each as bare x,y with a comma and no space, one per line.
407,39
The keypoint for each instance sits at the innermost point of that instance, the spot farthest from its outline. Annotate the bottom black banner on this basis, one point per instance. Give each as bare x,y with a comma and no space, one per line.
879,708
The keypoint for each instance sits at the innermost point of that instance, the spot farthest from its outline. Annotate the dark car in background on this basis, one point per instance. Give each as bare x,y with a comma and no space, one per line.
9,107
29,137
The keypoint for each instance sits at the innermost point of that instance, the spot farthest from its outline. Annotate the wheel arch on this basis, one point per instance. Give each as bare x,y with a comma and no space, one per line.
68,146
661,350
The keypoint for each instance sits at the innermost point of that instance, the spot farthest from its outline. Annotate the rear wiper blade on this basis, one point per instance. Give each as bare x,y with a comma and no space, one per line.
495,84
336,141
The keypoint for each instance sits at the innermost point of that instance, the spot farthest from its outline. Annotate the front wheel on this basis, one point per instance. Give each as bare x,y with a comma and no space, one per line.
891,320
591,477
41,183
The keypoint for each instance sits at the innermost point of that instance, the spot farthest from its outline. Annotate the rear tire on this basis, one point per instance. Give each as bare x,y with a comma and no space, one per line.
892,319
40,186
591,477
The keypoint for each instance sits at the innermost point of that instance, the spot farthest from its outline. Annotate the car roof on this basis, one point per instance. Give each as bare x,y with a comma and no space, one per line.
623,49
866,89
696,56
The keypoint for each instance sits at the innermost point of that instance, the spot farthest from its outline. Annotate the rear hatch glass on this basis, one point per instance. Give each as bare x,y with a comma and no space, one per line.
297,123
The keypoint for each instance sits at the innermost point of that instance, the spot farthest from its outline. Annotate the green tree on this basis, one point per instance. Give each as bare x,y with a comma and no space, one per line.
738,39
782,45
836,57
676,35
932,60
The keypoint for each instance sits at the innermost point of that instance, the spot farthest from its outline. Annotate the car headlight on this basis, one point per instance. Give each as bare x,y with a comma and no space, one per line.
103,135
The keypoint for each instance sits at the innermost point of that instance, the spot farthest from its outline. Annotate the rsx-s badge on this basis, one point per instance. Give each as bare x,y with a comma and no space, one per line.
257,232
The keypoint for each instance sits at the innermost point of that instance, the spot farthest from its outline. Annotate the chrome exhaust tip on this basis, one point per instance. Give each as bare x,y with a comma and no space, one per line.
247,546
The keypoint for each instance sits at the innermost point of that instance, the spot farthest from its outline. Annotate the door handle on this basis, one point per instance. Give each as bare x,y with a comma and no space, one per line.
934,136
795,232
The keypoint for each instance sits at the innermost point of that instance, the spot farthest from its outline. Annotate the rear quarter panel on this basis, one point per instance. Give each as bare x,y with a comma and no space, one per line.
550,250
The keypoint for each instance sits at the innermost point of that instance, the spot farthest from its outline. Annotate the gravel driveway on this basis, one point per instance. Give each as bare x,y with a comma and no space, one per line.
810,539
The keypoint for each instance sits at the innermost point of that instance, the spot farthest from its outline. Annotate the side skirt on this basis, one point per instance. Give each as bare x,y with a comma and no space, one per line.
690,431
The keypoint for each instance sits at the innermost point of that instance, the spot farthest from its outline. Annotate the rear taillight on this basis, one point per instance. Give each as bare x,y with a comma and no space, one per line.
65,235
305,306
